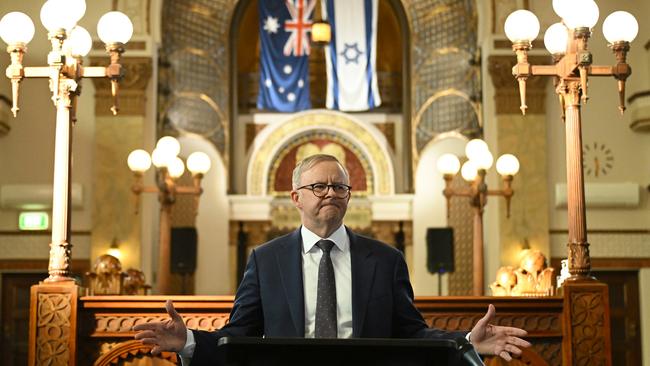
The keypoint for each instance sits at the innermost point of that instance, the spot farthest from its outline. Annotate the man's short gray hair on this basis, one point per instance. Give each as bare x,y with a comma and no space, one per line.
308,162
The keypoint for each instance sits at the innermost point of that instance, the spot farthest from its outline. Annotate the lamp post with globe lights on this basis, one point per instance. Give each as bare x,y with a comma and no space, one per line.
474,171
169,167
586,305
65,70
567,41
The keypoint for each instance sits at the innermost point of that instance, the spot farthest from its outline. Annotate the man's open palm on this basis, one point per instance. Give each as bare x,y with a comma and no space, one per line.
166,336
496,340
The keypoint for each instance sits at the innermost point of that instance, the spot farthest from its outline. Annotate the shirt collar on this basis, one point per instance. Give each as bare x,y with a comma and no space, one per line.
339,237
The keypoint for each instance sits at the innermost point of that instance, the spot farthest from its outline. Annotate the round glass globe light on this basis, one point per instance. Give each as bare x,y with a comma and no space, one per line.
169,144
581,14
469,171
475,148
77,8
175,168
484,160
139,161
561,7
198,162
114,27
507,164
448,164
55,15
16,27
556,38
161,158
521,26
620,26
79,42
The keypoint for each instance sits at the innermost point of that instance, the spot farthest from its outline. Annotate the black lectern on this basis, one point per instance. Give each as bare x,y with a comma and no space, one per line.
242,351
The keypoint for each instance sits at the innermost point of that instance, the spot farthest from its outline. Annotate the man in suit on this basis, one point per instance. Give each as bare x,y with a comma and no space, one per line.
322,280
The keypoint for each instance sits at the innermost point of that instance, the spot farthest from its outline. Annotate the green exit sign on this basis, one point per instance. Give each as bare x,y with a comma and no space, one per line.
33,221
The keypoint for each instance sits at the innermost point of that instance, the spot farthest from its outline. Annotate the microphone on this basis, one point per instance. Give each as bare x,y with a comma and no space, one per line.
467,352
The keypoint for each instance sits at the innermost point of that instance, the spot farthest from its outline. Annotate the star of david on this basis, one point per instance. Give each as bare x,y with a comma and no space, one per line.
351,53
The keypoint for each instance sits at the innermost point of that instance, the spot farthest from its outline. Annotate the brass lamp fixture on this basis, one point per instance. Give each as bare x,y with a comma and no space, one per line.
169,167
567,42
65,70
321,32
474,171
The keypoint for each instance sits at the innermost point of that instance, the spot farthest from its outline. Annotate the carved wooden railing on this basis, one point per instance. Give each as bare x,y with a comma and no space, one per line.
106,336
572,329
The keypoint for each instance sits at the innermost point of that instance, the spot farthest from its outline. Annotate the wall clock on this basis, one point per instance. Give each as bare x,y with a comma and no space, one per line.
598,159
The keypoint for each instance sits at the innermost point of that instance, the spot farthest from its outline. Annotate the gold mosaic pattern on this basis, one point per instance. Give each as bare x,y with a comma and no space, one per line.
321,135
460,219
193,73
444,57
321,121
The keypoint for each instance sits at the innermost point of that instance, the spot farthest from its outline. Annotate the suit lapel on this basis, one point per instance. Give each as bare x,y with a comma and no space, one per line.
363,274
289,262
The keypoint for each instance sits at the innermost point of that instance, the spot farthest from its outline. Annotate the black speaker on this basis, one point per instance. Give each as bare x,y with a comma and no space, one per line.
440,249
183,256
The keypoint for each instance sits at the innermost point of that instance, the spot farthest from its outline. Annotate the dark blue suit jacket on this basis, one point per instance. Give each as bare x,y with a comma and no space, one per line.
270,300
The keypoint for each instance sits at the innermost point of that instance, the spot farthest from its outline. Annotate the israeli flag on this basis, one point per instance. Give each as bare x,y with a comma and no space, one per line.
351,54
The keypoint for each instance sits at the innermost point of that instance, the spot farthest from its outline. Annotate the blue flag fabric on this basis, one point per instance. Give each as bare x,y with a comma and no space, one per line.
351,55
284,55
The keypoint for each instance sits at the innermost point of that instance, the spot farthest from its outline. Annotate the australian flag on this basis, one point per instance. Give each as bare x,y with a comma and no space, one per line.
284,56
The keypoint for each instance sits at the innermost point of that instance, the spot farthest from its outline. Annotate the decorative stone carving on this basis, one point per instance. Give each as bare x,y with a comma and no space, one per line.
132,89
506,89
129,350
532,278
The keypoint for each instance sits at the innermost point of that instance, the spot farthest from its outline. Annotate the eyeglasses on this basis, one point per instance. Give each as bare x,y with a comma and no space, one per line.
320,189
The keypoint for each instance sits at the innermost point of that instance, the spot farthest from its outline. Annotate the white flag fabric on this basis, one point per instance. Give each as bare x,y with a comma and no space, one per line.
351,54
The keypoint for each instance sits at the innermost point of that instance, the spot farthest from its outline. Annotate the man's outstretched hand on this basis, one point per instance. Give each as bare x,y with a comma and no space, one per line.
166,336
490,339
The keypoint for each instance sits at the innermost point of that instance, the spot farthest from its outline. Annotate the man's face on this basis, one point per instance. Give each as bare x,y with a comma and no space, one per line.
328,210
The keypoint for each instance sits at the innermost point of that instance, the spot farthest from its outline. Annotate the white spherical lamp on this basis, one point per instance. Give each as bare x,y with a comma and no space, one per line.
16,27
176,168
521,26
581,14
80,42
139,161
198,162
620,26
448,164
56,15
469,171
169,144
114,27
556,38
507,164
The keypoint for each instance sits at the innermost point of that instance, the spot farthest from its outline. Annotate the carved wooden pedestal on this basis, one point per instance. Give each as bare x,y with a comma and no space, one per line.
587,339
53,323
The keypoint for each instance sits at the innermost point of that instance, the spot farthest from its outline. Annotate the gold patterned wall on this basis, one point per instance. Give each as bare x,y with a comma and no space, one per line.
195,81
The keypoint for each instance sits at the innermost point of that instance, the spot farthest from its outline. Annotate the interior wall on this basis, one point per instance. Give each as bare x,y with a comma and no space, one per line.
212,265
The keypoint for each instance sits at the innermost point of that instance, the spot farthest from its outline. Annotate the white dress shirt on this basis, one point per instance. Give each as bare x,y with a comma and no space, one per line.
341,261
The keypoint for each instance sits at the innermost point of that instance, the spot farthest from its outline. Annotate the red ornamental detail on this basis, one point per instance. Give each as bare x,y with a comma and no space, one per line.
299,25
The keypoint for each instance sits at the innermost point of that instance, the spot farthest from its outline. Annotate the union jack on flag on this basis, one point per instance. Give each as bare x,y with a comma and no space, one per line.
285,27
299,25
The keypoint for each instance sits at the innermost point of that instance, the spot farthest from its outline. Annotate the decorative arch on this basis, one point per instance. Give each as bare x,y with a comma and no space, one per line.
365,137
129,350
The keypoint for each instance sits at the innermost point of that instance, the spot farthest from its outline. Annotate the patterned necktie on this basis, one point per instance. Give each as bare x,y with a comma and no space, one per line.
326,298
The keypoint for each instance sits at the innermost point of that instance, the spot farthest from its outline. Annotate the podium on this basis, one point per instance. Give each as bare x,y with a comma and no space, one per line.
243,351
